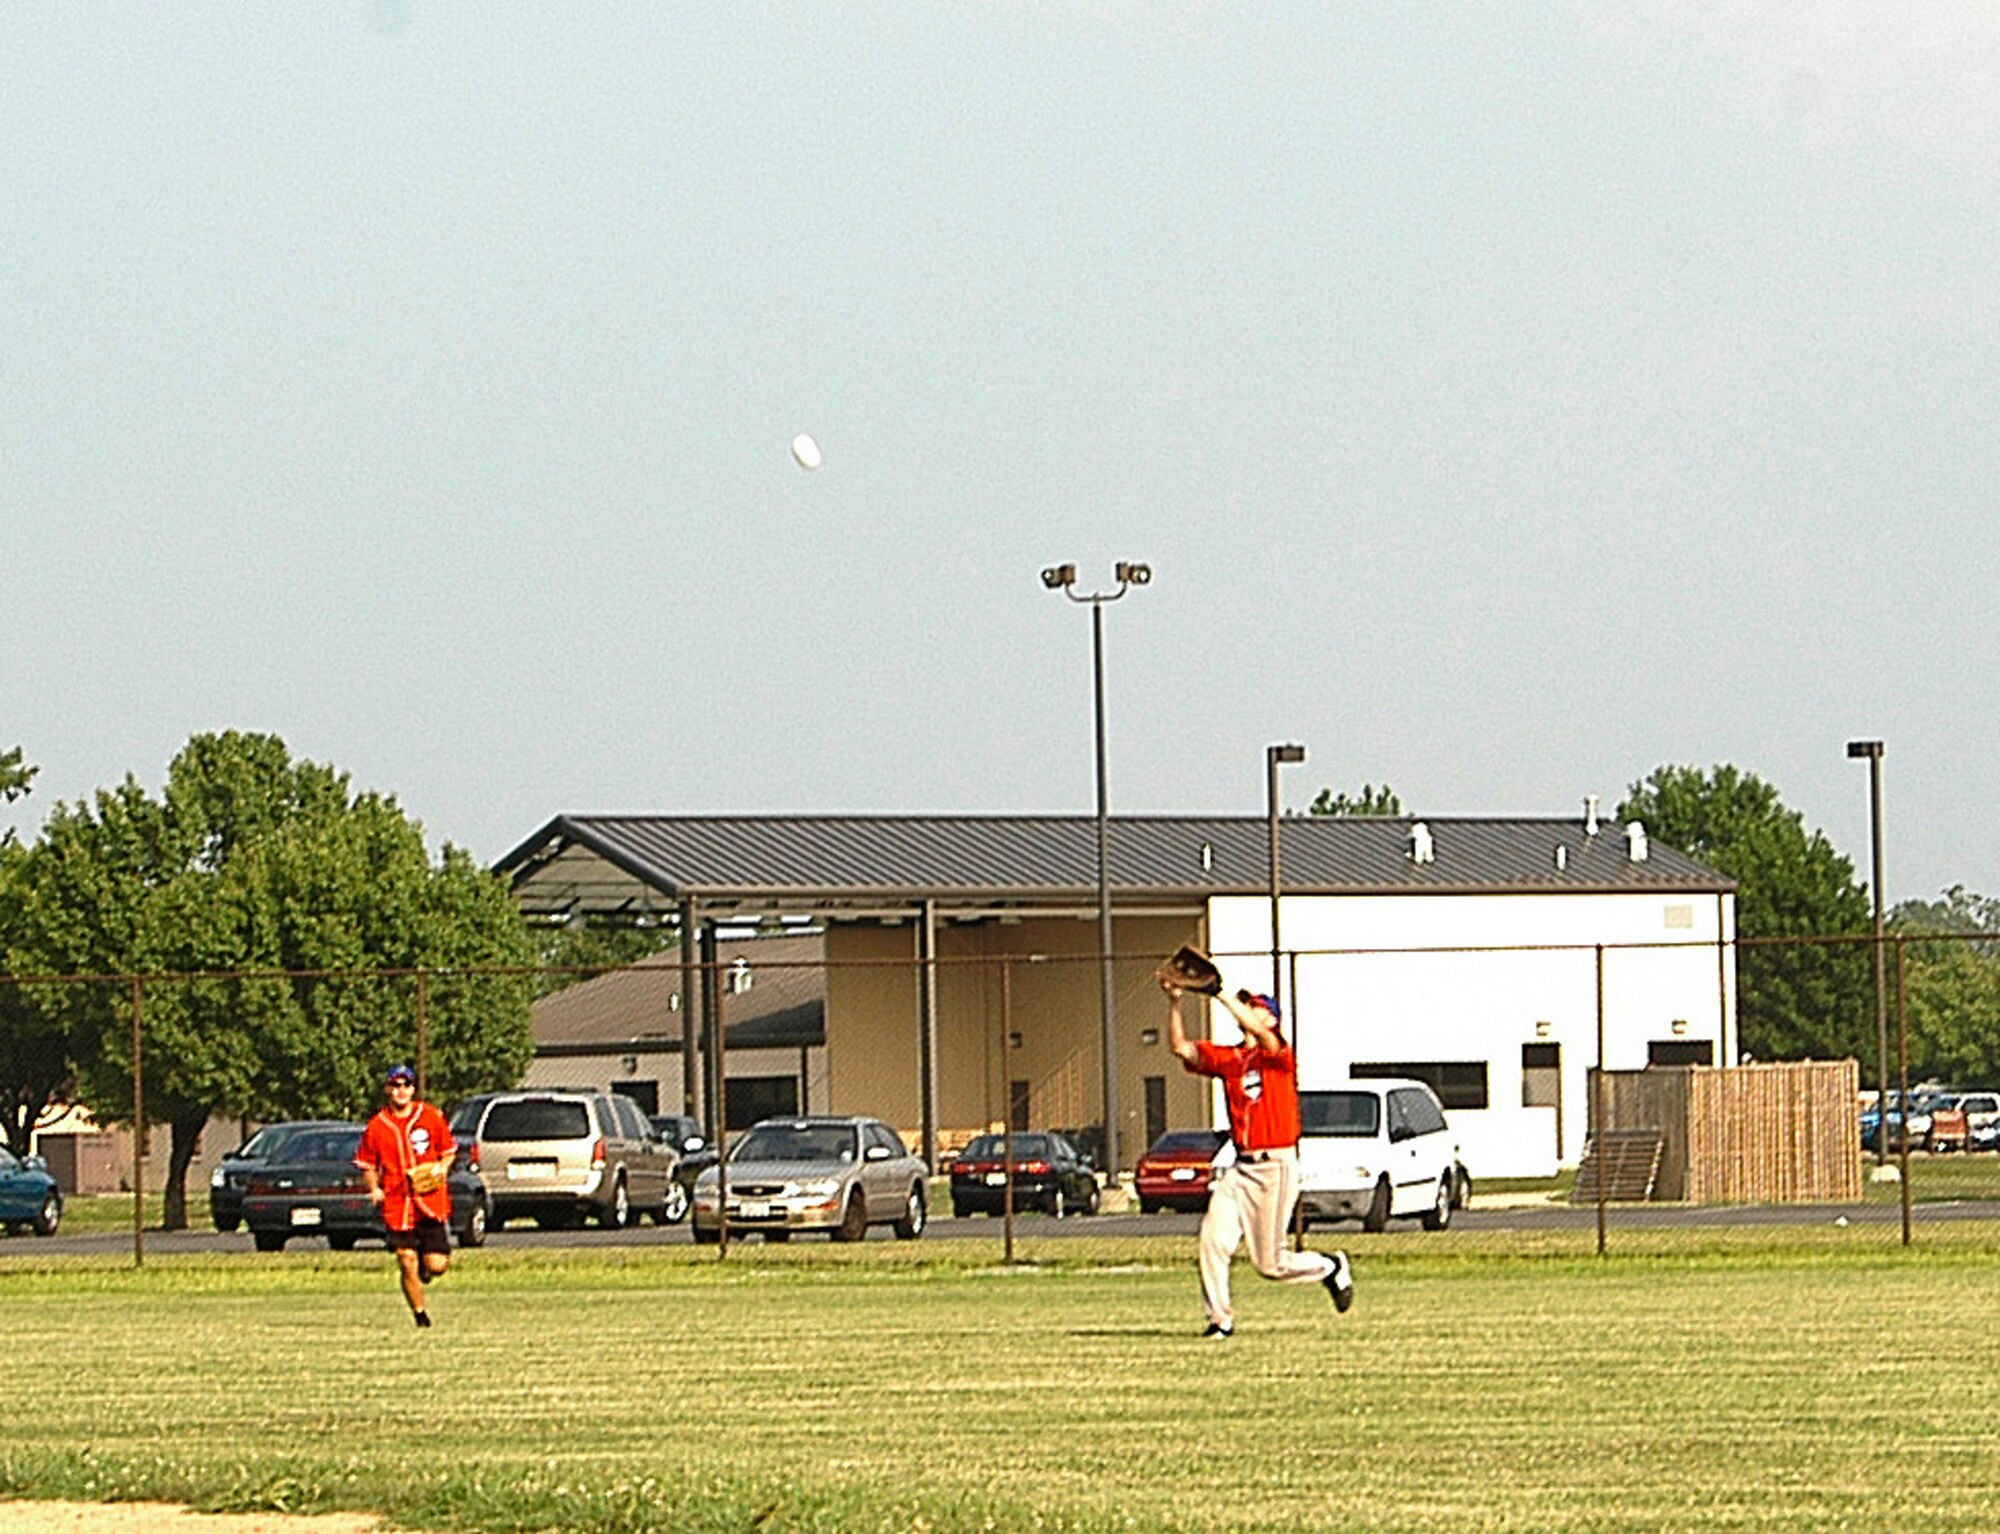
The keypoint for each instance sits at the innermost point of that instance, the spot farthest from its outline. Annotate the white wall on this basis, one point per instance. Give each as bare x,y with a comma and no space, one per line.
1457,1006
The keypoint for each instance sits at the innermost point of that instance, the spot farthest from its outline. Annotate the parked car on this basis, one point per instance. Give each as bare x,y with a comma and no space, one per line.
30,1199
1050,1174
1378,1150
225,1183
1916,1122
311,1187
689,1138
562,1157
1177,1168
839,1175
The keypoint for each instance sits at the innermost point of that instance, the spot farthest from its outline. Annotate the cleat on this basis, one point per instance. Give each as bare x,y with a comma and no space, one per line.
1219,1333
1340,1283
423,1318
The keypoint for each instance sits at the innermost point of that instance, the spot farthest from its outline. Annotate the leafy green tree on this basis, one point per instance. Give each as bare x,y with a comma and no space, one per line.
15,775
1952,985
1371,801
1795,1001
572,953
35,1074
291,917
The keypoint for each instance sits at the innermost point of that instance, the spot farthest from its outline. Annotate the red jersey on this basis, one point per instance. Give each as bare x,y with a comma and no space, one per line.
1262,1087
392,1146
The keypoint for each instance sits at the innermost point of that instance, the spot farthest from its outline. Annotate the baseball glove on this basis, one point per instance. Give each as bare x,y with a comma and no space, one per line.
1192,970
429,1176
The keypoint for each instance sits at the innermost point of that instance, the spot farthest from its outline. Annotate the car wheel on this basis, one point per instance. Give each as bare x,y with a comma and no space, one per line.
707,1235
51,1214
853,1224
911,1225
268,1240
674,1208
476,1224
226,1226
959,1211
1149,1206
1058,1206
1093,1200
1438,1216
1461,1189
617,1214
1377,1217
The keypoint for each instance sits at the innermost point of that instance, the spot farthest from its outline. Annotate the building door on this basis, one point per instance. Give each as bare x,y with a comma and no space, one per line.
1156,1108
1541,1083
750,1098
1017,1106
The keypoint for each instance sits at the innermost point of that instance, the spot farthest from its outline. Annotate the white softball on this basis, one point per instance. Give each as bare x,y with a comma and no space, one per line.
806,451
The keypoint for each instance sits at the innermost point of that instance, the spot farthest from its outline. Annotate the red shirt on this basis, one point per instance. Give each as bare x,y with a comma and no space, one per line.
392,1146
1262,1087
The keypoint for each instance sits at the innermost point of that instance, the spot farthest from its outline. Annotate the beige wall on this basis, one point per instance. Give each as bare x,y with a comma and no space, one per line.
872,1002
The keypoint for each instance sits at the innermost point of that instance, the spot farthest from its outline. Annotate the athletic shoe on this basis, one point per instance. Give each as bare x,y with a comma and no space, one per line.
423,1318
1340,1283
1219,1333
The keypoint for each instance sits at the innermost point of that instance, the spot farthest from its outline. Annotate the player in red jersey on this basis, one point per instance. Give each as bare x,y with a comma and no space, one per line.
401,1140
1251,1201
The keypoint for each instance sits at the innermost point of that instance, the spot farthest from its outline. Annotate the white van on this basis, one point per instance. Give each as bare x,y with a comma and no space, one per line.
1378,1150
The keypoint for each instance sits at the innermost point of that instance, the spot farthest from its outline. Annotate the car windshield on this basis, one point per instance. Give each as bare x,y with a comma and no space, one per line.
536,1118
1352,1115
465,1117
1207,1141
323,1145
796,1142
993,1147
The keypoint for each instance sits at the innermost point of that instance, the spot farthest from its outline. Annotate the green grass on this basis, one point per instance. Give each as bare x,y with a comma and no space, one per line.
1803,1380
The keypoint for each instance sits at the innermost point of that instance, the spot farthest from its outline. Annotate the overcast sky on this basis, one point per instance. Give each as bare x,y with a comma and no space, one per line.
1509,399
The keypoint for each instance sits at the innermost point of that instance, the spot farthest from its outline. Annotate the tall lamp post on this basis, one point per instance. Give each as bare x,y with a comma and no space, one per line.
1063,578
1275,757
1872,750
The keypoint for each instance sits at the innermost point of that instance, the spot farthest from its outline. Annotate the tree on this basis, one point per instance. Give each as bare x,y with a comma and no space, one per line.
1372,801
572,953
1803,1001
1952,985
15,775
35,1074
276,898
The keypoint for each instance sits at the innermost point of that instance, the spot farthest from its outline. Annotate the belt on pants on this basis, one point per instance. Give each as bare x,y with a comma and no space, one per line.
1262,1155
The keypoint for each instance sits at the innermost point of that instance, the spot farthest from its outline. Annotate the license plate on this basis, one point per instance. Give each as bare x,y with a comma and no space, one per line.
305,1216
996,1179
530,1171
753,1211
1181,1174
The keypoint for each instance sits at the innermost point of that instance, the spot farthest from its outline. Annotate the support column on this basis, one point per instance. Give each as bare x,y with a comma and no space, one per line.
927,1003
691,1055
712,1067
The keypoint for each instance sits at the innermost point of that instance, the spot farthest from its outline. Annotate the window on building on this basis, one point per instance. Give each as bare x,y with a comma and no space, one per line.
1680,1052
1017,1105
1458,1083
750,1098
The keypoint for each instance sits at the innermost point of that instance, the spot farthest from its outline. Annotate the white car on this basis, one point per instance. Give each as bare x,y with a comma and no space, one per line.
1378,1150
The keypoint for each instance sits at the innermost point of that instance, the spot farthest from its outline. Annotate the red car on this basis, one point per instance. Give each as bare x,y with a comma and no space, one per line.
1175,1171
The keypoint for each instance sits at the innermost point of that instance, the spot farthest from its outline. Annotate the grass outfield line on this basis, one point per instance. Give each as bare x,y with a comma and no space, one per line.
1799,1381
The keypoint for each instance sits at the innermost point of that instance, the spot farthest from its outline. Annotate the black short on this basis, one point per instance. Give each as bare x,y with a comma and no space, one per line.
430,1236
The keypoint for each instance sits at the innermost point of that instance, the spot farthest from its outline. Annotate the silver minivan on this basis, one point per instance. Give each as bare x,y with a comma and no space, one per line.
559,1157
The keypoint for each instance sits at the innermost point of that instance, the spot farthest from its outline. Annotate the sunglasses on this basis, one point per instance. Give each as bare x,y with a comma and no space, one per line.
400,1082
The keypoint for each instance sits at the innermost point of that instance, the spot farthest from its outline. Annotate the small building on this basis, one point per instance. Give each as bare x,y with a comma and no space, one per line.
962,976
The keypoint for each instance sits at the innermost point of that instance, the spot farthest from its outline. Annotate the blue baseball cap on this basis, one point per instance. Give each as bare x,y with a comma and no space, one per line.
1259,999
401,1073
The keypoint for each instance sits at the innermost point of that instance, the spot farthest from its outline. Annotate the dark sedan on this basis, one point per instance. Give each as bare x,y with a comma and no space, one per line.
29,1197
1048,1173
314,1188
225,1183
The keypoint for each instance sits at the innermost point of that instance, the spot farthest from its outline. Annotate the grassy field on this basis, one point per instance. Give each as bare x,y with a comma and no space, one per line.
1480,1383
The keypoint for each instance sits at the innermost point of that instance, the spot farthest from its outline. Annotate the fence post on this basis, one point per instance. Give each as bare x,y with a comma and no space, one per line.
138,1129
1903,1071
1007,1110
1597,1108
720,1049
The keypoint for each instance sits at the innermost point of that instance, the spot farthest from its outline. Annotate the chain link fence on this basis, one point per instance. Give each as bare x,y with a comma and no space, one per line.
1633,1097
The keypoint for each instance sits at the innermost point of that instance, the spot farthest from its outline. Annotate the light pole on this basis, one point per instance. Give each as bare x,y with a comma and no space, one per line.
1274,757
1063,578
1872,750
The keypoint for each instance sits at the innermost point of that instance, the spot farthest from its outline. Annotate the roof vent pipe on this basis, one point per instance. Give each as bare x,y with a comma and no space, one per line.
1207,858
1635,842
1422,848
1590,814
1562,857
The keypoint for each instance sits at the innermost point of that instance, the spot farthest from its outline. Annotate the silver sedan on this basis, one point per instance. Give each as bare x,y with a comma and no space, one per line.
839,1175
